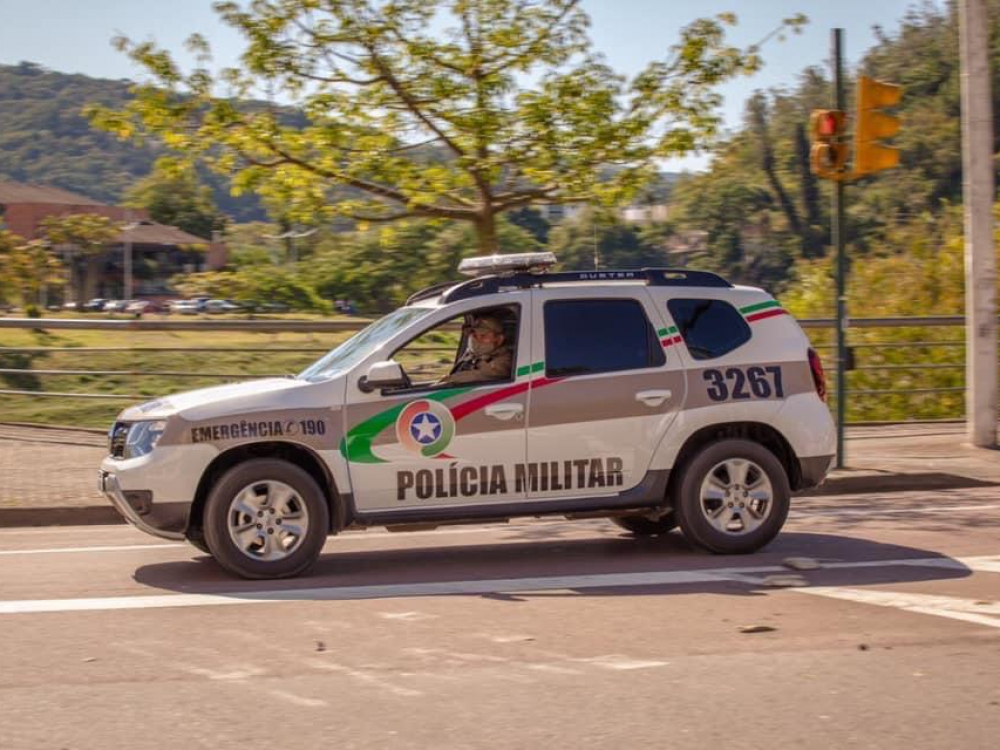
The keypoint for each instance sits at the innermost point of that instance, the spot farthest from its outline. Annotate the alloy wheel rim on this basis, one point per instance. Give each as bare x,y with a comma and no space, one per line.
736,496
267,520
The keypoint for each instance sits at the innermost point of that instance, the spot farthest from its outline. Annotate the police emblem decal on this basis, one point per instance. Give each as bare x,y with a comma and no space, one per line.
425,427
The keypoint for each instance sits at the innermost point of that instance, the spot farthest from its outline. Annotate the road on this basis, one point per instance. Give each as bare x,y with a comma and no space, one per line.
515,636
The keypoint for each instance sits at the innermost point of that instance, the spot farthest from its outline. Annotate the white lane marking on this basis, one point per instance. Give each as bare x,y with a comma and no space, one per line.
439,588
982,564
365,677
619,662
407,616
297,700
113,548
925,604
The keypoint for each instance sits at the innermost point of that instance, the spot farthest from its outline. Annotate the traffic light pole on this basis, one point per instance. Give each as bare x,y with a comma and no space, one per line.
837,231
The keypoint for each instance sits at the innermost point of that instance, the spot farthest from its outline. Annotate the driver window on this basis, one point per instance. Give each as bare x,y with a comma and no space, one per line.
476,347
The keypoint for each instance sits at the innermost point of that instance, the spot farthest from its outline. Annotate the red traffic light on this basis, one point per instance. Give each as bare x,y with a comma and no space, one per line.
826,124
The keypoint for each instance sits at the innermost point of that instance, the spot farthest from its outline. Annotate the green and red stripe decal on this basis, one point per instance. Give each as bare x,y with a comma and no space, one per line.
762,311
357,444
668,336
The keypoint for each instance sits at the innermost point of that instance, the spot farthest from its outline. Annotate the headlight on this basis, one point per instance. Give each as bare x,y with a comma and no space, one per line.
143,437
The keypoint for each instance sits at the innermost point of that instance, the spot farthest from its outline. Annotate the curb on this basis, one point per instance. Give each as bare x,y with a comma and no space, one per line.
892,482
84,515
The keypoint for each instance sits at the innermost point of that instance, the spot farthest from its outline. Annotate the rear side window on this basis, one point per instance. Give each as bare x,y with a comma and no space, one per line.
709,327
583,337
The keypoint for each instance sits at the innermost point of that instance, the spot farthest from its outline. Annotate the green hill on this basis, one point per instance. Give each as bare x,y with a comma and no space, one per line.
45,139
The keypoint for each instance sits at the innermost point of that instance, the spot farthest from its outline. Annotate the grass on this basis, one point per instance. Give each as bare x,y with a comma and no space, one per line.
200,368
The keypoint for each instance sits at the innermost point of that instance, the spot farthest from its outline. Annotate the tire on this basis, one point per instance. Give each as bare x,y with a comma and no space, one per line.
710,491
199,544
641,526
266,518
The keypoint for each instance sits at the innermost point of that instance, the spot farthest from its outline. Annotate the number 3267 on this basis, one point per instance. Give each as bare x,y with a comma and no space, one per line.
739,384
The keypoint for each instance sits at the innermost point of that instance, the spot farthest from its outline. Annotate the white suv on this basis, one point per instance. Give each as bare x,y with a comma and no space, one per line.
656,397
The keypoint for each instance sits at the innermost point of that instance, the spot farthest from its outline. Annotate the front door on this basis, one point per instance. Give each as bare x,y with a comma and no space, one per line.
606,388
456,434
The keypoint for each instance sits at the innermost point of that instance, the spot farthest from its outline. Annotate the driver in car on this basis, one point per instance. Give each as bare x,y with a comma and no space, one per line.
487,357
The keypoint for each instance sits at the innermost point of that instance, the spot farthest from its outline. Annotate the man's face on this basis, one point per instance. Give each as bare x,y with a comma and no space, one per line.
485,339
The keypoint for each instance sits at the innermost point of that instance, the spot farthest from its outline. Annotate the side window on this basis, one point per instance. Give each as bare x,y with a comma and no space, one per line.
709,327
583,337
475,347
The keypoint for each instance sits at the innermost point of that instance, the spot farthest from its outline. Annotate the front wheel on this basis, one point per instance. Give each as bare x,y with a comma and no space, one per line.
733,497
266,518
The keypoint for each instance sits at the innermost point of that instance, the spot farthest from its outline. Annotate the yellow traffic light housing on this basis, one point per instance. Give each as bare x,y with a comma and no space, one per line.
872,125
829,152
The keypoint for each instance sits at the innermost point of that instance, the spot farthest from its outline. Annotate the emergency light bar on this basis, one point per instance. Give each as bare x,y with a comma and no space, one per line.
500,264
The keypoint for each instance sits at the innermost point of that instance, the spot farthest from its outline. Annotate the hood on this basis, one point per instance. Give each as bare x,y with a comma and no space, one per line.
238,398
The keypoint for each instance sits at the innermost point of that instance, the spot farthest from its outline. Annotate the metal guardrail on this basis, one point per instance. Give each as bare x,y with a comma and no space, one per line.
145,324
342,326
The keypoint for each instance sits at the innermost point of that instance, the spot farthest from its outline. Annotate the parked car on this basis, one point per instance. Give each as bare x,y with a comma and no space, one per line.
117,305
95,305
221,306
184,307
139,306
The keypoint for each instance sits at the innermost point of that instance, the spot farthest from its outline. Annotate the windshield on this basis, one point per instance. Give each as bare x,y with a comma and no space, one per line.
363,343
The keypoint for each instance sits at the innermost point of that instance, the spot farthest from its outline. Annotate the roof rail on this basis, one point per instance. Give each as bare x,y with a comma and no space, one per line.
652,276
431,291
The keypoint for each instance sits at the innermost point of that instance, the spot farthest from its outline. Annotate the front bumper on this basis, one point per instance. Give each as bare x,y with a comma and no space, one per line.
166,520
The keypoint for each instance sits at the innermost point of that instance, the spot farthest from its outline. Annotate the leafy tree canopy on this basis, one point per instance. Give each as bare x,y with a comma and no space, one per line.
508,106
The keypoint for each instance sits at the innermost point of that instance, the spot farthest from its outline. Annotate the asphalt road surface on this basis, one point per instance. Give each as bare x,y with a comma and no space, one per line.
534,634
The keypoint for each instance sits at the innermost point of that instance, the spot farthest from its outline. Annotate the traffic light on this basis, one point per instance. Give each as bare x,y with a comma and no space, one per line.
873,125
829,151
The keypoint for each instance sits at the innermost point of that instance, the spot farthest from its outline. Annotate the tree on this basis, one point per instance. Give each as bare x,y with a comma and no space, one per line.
591,240
85,237
27,269
507,107
178,199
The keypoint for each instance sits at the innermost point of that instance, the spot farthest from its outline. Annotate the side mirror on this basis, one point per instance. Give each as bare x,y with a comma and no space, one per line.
383,375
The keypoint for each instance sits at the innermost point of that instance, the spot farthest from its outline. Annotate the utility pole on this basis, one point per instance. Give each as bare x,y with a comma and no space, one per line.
978,195
837,229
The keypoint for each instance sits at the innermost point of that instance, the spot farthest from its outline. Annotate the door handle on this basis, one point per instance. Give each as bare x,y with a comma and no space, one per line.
653,398
504,411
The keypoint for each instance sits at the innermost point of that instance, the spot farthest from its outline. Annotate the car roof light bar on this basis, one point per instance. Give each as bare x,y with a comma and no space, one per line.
507,264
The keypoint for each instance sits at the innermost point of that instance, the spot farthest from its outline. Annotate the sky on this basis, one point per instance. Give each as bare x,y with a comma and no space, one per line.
73,36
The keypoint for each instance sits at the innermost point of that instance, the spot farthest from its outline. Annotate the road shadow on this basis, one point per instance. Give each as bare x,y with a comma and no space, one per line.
613,564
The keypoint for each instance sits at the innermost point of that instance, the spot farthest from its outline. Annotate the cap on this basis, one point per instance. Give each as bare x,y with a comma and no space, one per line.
488,323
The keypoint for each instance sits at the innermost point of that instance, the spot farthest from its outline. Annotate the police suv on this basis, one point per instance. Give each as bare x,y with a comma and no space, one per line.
657,398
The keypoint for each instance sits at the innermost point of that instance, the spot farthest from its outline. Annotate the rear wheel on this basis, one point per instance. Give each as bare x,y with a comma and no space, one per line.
733,497
266,518
642,526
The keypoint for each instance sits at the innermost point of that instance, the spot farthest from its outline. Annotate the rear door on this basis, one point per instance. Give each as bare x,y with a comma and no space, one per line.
606,385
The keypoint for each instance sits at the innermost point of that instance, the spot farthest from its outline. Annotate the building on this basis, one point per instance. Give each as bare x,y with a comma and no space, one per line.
158,252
